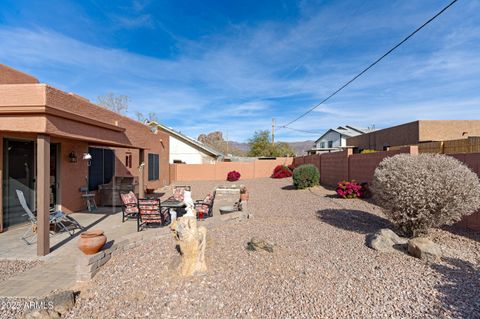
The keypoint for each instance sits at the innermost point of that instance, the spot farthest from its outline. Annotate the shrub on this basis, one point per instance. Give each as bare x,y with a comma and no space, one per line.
425,191
368,151
281,171
306,175
233,176
348,189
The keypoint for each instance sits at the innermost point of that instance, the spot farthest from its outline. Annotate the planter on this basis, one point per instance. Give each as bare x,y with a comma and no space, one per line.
92,241
244,197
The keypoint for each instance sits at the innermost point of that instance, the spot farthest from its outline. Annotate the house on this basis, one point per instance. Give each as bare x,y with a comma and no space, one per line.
335,140
416,132
46,133
186,150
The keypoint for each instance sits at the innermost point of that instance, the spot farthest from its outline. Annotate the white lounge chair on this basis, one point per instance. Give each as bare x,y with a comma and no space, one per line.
56,218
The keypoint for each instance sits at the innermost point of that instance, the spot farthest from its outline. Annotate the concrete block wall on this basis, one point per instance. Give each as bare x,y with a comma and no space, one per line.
334,167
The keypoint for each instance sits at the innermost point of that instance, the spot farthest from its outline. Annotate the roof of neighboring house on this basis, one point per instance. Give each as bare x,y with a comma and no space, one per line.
185,138
346,130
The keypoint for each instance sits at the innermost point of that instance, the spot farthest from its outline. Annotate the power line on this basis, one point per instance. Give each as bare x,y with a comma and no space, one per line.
303,131
372,64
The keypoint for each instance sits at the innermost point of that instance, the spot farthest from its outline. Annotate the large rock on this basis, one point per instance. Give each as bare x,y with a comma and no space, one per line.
424,248
191,244
257,244
384,240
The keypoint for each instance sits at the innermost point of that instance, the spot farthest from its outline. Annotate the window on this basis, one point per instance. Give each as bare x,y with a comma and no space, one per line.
330,144
128,160
322,145
153,167
102,167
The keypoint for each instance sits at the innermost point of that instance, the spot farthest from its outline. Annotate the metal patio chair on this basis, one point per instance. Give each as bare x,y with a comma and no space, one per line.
56,218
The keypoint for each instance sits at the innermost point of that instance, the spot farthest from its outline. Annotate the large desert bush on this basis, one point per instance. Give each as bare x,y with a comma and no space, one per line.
425,191
306,175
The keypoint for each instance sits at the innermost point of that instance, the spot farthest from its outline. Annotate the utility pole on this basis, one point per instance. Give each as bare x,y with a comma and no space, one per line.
273,131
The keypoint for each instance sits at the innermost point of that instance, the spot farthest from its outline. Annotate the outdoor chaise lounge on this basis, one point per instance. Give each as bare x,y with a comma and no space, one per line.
56,218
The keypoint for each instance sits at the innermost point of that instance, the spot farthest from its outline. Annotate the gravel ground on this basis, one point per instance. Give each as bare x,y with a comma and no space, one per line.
320,268
10,268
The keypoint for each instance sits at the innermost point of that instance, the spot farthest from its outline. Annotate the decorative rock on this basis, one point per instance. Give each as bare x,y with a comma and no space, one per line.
384,240
424,248
191,243
256,244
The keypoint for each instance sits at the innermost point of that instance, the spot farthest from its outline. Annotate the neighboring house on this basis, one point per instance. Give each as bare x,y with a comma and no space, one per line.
186,150
416,132
335,140
44,136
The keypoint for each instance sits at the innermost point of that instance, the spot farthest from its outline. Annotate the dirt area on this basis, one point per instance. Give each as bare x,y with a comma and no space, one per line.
319,268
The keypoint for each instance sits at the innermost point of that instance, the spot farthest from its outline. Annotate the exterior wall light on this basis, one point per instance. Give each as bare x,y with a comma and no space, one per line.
87,157
72,157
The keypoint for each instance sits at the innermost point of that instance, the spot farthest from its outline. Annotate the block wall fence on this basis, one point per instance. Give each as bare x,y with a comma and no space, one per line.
338,166
219,170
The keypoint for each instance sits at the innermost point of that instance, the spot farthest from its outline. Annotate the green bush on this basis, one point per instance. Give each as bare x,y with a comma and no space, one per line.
368,151
306,176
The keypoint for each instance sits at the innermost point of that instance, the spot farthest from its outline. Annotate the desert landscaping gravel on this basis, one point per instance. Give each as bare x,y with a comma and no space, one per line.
319,268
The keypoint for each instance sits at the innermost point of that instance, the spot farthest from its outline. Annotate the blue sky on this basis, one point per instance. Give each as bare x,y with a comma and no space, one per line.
233,65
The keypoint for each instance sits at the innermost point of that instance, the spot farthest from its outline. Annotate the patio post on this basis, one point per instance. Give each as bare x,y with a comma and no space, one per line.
141,175
43,194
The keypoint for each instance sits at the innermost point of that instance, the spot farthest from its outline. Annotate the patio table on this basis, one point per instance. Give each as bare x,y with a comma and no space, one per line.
172,204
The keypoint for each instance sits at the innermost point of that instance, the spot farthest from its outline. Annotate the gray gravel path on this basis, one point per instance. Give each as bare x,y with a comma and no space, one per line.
320,268
10,268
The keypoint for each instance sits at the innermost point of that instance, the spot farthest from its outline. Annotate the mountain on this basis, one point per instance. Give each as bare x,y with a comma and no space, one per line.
216,141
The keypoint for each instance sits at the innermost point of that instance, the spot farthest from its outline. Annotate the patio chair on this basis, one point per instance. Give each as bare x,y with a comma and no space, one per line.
89,199
179,191
204,207
150,212
56,218
129,205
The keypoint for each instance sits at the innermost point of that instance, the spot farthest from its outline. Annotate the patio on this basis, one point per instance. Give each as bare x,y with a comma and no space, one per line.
57,270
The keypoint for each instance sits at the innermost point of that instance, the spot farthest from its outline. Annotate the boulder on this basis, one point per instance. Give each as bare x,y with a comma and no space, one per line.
424,248
384,240
257,244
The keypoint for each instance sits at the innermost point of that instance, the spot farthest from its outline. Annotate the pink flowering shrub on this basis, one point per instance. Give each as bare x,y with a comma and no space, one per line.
350,189
233,176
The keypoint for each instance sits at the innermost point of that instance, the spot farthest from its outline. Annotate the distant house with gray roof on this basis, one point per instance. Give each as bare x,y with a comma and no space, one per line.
335,139
186,150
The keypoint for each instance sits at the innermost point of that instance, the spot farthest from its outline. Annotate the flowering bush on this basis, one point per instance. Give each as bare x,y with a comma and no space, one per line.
351,189
281,171
233,176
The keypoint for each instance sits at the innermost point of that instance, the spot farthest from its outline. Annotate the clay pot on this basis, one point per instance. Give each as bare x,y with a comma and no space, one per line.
244,197
91,241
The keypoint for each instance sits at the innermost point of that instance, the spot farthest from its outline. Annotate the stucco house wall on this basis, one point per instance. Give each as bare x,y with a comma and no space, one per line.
335,137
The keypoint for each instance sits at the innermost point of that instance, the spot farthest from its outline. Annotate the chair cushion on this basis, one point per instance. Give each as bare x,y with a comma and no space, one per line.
129,198
178,193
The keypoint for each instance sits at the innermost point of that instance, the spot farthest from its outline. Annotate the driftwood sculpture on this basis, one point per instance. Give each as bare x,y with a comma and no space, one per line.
191,245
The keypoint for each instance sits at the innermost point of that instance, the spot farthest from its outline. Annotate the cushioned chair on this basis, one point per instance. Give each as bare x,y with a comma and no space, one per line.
150,213
178,192
204,207
129,206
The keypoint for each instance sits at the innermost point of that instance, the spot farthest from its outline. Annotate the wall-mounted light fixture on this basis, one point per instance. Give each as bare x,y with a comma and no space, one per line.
72,157
87,157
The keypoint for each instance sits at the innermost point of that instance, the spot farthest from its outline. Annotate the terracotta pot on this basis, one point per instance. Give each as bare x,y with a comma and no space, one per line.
244,197
91,241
